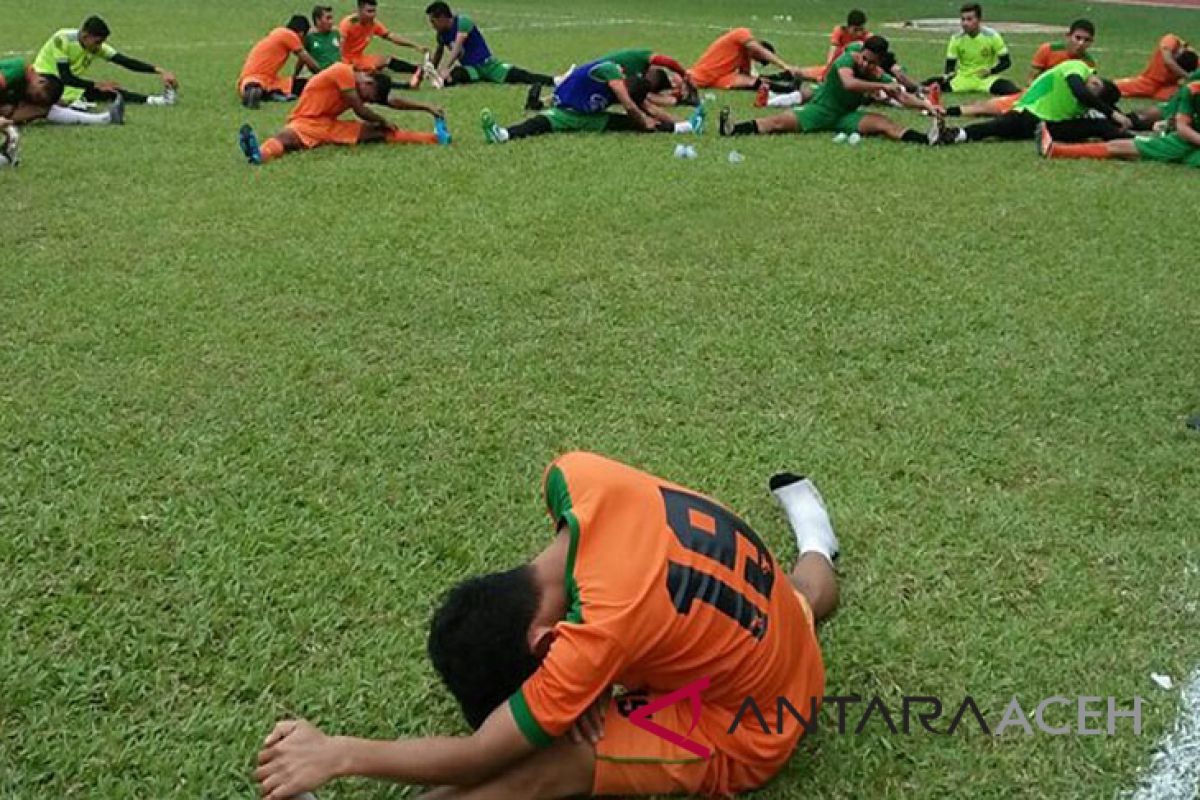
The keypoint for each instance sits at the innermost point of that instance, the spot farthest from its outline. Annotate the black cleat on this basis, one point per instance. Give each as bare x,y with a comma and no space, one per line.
725,128
253,96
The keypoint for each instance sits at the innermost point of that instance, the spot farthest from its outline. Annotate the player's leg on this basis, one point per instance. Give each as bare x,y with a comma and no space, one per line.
1137,86
1013,127
115,115
460,75
994,107
1001,87
786,122
879,125
537,125
813,575
286,141
369,134
1085,128
519,75
1123,149
563,769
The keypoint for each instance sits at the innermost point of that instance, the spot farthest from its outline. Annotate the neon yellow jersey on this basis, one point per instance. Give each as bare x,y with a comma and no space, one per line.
973,53
1050,98
65,47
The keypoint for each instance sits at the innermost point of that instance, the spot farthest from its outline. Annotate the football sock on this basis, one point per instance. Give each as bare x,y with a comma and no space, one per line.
69,116
806,512
1096,150
271,148
411,137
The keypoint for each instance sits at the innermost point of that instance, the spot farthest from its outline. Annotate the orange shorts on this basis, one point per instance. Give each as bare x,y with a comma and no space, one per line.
1141,86
1005,104
365,63
726,81
632,761
316,131
269,83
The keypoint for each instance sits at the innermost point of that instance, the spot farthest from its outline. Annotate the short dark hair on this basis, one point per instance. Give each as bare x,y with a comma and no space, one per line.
856,18
877,45
639,89
972,8
95,26
362,3
1082,25
1187,60
299,24
1109,93
887,61
439,9
320,11
55,92
659,79
383,86
479,640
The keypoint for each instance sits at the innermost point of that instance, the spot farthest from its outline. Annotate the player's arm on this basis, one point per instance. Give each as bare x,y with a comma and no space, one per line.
910,100
1003,64
303,59
633,109
1185,130
657,112
832,54
297,757
1084,95
364,113
1038,65
456,49
903,79
760,54
1168,57
400,104
397,39
69,78
853,83
951,67
134,65
437,54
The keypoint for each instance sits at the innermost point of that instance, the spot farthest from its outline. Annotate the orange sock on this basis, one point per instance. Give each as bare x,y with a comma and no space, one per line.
1097,150
271,148
408,137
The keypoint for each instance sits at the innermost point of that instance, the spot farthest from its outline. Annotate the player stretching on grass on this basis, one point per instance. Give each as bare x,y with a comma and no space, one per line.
646,585
1161,77
1181,146
468,57
976,57
727,62
357,30
260,79
26,95
855,77
316,119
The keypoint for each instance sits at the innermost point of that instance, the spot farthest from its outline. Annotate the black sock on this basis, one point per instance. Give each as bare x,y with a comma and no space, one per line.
745,129
518,75
133,97
782,87
396,65
1004,87
534,126
913,137
953,111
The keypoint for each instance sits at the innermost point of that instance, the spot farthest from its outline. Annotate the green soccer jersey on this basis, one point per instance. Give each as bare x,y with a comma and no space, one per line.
1171,107
1050,97
64,47
12,80
832,94
974,53
633,62
325,48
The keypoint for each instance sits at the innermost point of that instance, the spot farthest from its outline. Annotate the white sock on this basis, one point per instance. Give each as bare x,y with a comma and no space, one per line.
684,127
961,136
785,100
810,521
157,100
60,115
501,134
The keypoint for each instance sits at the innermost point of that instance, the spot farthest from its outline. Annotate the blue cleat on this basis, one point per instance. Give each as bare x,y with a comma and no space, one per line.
442,132
698,118
249,144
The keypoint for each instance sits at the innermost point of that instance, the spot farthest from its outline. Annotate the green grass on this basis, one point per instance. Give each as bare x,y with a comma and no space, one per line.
254,422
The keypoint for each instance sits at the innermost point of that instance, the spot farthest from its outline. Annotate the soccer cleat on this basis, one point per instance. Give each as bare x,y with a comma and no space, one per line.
762,96
116,112
1045,142
698,119
12,145
249,144
491,131
533,98
170,95
442,132
935,94
724,124
253,96
415,81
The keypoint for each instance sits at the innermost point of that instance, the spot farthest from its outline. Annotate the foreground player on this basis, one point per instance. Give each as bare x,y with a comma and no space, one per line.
1080,37
1181,146
646,585
260,79
1062,100
316,119
1170,64
976,57
855,78
68,54
727,64
357,30
468,57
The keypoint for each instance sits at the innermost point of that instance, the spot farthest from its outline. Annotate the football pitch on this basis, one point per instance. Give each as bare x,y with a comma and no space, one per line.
254,421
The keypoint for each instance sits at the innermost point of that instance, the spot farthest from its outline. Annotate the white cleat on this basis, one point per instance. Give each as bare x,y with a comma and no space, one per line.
12,146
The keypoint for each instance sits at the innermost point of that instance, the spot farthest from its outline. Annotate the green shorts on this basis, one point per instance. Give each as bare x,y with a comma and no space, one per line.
491,71
814,118
970,83
563,120
1169,149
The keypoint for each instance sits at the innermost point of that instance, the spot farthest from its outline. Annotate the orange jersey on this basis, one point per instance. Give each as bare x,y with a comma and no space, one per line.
325,96
268,57
1051,54
1157,69
841,37
726,56
357,35
666,587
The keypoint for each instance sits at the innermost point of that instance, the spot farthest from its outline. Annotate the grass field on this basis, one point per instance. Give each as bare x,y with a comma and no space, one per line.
255,421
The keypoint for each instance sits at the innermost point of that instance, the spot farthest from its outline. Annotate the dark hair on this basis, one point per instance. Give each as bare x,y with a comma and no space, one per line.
1082,25
639,89
362,3
887,61
972,8
1187,60
479,640
383,86
55,90
439,9
1109,93
659,79
320,11
299,24
877,45
856,18
95,26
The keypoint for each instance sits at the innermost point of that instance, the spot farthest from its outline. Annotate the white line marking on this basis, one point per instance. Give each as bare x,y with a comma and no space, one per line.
1174,772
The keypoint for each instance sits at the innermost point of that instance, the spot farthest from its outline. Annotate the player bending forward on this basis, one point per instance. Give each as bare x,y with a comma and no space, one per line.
646,585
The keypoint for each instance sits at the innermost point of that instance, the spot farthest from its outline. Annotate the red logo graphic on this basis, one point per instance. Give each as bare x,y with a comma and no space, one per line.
641,717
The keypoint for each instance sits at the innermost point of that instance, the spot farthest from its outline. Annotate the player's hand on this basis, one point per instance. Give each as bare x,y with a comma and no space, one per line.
438,112
169,79
1123,122
296,757
893,89
649,122
444,74
108,86
590,727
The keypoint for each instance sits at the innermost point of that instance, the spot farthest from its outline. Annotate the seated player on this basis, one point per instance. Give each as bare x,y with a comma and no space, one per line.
975,58
853,79
68,54
1180,146
806,92
1160,116
1062,98
855,30
1079,38
260,79
468,57
357,30
26,96
1170,64
646,585
315,121
727,64
582,99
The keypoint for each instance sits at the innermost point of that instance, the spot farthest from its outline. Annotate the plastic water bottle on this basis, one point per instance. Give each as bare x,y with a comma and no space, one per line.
735,157
853,139
680,151
689,152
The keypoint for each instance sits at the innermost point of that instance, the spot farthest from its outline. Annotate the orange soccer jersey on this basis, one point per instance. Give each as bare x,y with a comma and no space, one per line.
1157,69
724,58
1156,80
356,35
667,587
1050,55
841,38
267,58
324,99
